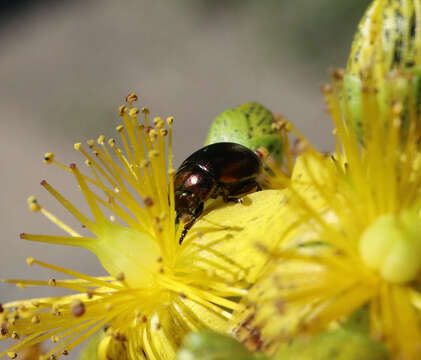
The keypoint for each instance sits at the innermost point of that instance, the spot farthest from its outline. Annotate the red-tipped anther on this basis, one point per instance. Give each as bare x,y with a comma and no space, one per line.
22,235
148,129
73,166
44,182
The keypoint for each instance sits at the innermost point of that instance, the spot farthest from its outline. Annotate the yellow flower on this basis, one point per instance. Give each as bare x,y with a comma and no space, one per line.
361,243
157,290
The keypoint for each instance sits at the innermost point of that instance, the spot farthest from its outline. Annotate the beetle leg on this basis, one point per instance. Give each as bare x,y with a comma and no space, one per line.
231,199
232,193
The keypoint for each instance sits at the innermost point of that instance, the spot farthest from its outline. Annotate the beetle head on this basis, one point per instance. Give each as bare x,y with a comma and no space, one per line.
186,204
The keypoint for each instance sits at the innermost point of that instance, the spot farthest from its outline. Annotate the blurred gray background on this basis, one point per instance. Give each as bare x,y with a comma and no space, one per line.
66,66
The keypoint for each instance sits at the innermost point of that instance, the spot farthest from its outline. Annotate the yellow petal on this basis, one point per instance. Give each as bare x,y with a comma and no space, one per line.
235,240
129,249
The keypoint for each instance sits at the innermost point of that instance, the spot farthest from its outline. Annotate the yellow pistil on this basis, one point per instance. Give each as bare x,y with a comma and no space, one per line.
392,246
157,290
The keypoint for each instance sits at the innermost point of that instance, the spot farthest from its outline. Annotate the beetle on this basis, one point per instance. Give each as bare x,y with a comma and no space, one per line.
222,169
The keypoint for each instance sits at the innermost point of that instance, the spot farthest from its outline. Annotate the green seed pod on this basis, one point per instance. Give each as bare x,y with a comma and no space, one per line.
250,125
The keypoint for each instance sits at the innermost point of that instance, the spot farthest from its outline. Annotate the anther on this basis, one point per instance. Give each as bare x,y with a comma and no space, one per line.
170,120
101,140
22,236
159,123
30,261
397,108
153,153
119,337
54,339
326,89
15,335
148,201
163,132
52,282
153,134
111,142
65,352
48,158
35,319
88,162
120,277
133,112
131,98
3,329
43,182
12,355
72,166
338,74
120,128
91,143
262,153
145,111
78,308
122,109
77,146
148,129
33,204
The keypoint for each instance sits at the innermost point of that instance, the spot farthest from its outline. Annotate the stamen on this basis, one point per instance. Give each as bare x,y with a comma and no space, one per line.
74,274
69,206
34,206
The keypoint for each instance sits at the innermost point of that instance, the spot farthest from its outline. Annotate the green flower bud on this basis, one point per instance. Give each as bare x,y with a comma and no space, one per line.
250,125
388,37
387,46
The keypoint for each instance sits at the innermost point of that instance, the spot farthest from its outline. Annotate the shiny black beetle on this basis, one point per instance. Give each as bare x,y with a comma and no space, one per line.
221,169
